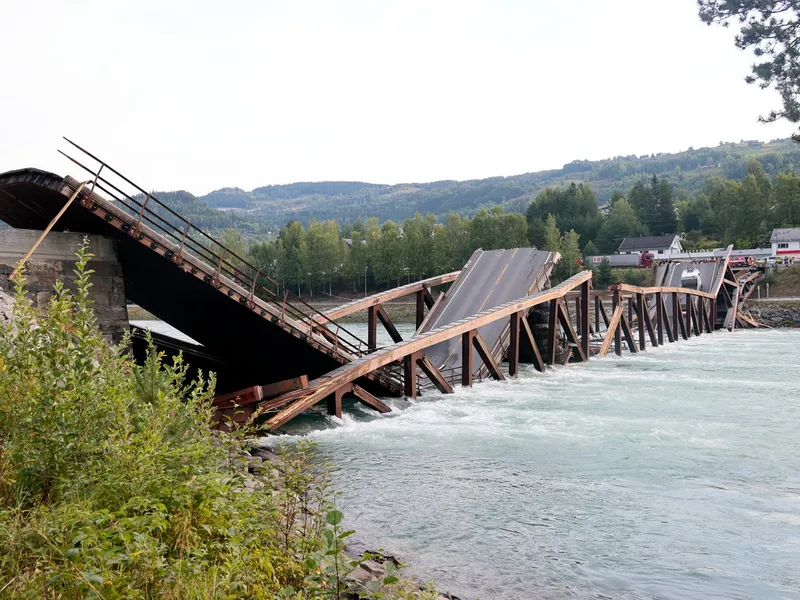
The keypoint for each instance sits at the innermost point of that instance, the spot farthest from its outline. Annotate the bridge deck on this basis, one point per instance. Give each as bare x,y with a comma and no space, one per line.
489,279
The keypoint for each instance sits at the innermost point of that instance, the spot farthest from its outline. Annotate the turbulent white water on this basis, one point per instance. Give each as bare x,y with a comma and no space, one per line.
671,474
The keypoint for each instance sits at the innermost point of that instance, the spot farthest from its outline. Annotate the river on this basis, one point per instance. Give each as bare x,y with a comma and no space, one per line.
671,474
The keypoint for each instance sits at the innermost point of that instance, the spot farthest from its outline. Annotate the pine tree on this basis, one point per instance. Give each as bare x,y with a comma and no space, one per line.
552,236
604,274
666,209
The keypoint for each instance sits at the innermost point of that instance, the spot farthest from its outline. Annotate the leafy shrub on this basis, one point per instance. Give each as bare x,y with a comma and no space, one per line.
111,485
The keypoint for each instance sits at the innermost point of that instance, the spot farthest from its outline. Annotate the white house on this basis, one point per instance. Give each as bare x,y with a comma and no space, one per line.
658,245
785,241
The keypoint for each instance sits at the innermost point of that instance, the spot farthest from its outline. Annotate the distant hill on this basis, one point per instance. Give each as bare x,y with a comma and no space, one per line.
271,207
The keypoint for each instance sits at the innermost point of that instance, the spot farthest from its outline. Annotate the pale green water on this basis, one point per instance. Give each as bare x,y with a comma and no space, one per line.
672,474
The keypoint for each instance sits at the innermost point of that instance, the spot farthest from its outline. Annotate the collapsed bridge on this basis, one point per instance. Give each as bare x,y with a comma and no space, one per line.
279,356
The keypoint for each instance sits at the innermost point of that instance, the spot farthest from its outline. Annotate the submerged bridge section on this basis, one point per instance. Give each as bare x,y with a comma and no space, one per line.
489,279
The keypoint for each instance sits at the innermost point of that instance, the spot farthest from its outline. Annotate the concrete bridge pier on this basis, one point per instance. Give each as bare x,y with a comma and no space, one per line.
55,260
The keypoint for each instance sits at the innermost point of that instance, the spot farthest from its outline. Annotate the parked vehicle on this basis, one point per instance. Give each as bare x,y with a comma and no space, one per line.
691,278
624,261
741,261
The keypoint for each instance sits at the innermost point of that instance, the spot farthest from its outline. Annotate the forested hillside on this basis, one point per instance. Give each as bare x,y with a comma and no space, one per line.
274,206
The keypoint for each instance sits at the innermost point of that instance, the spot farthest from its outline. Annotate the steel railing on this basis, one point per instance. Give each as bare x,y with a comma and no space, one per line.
221,261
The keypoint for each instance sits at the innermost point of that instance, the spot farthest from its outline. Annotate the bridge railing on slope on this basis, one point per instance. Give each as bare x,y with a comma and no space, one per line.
189,239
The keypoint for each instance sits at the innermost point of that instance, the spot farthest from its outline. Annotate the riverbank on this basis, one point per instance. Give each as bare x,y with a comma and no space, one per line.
366,570
777,313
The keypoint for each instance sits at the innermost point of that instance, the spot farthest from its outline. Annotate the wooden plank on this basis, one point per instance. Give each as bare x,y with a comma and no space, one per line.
604,313
250,395
648,323
687,313
366,398
393,294
466,358
707,320
615,302
552,331
626,329
410,375
585,317
335,400
388,325
271,390
597,304
695,319
513,344
320,387
538,363
611,331
572,335
420,308
283,400
634,289
660,317
434,374
677,316
372,328
665,321
486,357
427,297
640,310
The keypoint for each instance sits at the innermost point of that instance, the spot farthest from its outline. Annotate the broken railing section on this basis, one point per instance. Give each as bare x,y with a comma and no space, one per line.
410,354
250,403
421,290
650,315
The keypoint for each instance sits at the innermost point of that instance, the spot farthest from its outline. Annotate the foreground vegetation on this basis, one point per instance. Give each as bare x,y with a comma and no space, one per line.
111,485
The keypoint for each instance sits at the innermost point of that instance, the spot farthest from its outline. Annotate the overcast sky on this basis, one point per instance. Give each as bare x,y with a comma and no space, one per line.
199,95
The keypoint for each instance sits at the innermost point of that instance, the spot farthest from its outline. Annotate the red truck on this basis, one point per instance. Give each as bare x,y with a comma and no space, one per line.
624,261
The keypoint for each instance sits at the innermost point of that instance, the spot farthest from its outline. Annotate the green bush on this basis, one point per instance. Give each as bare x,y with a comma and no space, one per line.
111,485
634,276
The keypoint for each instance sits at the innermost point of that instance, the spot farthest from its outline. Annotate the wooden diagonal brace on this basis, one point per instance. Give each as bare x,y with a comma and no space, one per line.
387,323
665,321
538,363
486,357
566,324
613,324
626,330
366,398
434,374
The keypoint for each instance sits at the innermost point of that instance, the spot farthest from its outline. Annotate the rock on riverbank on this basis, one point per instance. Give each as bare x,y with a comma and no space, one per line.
776,314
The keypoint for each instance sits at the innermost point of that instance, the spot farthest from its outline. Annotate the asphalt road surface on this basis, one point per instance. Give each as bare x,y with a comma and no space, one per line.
488,280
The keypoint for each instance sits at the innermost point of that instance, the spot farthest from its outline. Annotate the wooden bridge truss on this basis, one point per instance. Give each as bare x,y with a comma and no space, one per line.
624,316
